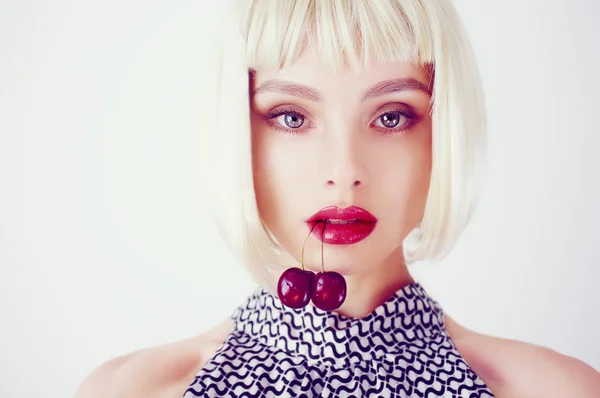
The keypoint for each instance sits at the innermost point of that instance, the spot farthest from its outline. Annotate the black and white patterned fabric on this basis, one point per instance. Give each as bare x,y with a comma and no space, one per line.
401,349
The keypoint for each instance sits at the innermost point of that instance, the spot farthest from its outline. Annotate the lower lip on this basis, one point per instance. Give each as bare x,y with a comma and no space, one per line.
342,234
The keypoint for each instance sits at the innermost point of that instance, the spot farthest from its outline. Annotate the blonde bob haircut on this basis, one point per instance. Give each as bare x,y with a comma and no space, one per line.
346,34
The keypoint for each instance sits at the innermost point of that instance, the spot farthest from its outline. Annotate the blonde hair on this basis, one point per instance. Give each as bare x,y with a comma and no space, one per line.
348,33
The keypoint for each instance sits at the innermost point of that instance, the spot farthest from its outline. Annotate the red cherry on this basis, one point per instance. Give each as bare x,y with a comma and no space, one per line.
295,287
328,290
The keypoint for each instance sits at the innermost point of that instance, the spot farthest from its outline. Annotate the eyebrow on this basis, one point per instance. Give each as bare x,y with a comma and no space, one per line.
290,88
382,88
394,86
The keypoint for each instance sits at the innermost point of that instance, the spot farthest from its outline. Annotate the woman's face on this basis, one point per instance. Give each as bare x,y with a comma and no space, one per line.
319,141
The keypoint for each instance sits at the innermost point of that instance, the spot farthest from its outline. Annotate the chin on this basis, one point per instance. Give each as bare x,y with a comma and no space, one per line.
344,263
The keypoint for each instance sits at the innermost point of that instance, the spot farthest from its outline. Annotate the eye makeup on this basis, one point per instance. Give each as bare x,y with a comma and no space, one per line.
290,120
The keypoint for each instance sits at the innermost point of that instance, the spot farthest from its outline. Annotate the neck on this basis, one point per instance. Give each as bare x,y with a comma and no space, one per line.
368,290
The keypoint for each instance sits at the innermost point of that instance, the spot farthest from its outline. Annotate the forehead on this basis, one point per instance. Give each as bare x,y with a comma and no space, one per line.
310,70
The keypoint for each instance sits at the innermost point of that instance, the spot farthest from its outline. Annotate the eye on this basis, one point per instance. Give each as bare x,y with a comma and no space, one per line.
395,121
291,120
287,120
390,119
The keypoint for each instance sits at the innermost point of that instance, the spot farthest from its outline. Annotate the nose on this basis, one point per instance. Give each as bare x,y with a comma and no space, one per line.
344,162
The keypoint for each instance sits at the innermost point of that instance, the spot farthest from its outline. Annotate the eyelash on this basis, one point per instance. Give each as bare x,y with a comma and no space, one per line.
274,114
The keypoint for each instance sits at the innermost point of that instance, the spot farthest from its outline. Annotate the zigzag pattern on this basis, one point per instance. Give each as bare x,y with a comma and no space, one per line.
401,349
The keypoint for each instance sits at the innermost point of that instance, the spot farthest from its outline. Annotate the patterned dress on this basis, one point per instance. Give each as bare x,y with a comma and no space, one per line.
401,349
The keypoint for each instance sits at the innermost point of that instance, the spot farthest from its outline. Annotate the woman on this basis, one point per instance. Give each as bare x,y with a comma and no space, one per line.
356,132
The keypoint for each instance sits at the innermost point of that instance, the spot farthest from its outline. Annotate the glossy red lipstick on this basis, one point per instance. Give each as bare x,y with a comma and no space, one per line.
342,226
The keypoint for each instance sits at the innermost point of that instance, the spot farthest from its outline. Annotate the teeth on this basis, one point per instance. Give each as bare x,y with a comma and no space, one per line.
343,221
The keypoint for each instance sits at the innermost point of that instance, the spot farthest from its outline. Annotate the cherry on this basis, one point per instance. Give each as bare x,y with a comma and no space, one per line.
328,290
295,287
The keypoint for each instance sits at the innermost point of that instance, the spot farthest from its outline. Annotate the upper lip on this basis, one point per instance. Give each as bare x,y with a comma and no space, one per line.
349,213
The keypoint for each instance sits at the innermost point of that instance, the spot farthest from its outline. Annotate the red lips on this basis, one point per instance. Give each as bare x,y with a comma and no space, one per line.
360,224
349,213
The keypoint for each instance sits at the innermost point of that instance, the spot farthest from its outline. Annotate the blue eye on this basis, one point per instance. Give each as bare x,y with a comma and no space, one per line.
286,120
291,120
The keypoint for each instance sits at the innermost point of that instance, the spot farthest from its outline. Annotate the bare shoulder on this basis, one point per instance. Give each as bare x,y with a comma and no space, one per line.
512,367
162,371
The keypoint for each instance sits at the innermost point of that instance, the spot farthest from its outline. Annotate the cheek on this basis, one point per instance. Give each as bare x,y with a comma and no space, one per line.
261,175
418,182
403,181
278,167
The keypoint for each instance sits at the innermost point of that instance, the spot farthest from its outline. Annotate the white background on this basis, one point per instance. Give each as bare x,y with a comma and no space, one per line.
104,247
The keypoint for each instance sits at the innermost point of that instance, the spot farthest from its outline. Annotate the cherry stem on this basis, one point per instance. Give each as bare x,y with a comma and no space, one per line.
322,239
302,258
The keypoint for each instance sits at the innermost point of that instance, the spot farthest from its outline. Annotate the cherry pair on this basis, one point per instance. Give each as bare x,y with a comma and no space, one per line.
297,286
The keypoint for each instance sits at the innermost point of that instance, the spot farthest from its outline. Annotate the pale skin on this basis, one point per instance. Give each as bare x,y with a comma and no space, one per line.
354,160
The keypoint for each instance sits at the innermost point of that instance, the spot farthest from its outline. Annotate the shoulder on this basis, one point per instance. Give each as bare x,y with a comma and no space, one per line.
515,368
165,370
